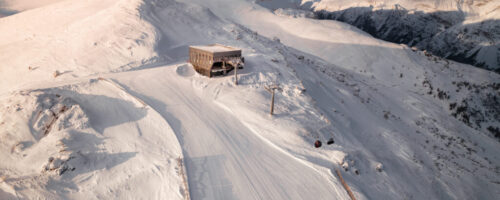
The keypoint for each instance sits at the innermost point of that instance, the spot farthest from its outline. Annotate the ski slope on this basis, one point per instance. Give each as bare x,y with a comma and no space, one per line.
129,118
224,158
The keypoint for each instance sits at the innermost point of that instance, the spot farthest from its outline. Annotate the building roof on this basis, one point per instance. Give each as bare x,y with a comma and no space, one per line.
215,48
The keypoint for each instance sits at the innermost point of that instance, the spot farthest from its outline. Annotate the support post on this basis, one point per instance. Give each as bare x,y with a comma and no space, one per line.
346,187
224,66
272,102
271,89
236,75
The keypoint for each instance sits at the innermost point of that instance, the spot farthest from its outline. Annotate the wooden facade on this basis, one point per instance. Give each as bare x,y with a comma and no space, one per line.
216,59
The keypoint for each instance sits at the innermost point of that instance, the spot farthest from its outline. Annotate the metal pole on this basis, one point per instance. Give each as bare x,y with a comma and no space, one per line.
347,188
236,75
224,66
272,103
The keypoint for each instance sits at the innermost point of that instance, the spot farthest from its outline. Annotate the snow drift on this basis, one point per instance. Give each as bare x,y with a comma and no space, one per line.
58,143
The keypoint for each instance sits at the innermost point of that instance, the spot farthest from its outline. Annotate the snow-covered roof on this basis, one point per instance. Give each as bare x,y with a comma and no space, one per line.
215,48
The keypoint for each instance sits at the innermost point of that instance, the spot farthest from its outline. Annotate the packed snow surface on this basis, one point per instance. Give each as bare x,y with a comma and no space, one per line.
98,102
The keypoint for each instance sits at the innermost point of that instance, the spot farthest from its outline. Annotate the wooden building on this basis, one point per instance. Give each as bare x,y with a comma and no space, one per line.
215,59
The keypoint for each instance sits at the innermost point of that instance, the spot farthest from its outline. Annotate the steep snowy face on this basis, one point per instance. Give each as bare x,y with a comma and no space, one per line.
471,8
444,34
464,31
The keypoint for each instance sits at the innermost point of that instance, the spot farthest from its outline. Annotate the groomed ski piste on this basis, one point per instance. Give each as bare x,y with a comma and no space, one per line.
97,101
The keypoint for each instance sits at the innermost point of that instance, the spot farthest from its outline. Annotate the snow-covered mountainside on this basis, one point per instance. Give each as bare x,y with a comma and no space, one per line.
472,8
98,102
81,137
464,31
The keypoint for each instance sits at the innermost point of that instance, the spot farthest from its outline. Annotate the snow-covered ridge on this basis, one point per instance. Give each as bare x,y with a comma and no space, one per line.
68,36
474,9
464,31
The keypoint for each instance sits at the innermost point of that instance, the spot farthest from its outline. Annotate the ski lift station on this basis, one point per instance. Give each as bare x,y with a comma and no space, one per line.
215,59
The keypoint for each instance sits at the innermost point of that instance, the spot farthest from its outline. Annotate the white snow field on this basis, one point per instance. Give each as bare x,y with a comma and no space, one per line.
97,102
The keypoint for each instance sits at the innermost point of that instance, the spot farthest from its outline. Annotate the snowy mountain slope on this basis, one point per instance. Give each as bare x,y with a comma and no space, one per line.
406,124
384,104
273,188
464,31
484,9
379,64
84,137
23,5
375,61
11,7
441,33
68,36
225,159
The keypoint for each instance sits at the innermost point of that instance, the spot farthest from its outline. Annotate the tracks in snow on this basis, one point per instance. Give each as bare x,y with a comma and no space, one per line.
224,159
